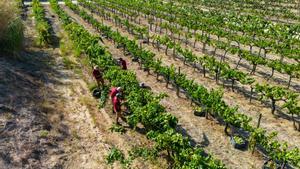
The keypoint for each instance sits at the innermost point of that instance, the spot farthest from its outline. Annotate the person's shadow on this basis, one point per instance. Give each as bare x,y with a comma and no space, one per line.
205,141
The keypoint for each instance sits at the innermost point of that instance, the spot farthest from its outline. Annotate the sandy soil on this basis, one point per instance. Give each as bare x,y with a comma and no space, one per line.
279,123
26,131
205,133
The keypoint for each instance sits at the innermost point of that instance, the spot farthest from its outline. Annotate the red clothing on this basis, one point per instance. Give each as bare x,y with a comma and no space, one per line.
113,93
97,74
116,104
124,64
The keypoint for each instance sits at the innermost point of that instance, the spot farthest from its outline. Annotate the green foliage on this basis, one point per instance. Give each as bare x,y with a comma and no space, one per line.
292,104
238,140
42,26
145,153
104,96
116,155
44,133
117,128
13,37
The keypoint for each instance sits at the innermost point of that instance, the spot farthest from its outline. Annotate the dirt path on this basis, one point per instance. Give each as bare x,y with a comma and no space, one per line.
272,123
206,133
26,138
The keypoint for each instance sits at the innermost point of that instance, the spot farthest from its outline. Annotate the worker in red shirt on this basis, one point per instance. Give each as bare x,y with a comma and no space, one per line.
117,107
114,91
123,63
98,76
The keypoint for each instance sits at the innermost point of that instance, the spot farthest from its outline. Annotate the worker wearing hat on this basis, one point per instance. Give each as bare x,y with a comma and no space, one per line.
117,106
98,75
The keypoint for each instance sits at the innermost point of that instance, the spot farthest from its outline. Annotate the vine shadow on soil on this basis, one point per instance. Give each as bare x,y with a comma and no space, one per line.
22,94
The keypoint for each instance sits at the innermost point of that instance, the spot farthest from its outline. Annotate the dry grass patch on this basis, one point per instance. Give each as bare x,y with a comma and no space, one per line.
8,13
11,27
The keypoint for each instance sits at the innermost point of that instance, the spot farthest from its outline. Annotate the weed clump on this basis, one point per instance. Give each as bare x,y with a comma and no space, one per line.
11,27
